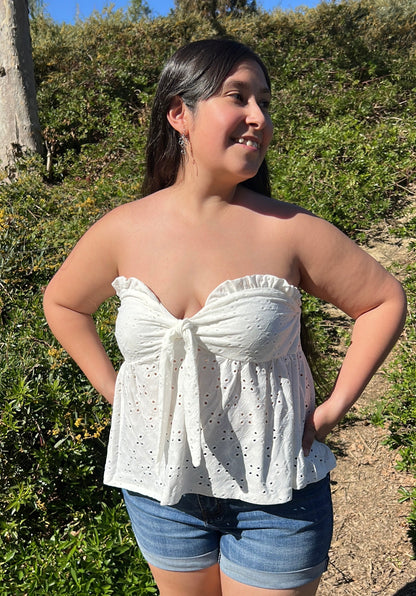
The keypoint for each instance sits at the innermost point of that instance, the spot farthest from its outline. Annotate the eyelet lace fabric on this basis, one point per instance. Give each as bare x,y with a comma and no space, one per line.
213,404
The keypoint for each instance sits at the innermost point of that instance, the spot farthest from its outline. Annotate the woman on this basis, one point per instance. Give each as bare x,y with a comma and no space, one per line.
215,439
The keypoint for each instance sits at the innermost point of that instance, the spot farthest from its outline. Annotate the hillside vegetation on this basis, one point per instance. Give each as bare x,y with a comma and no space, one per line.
344,83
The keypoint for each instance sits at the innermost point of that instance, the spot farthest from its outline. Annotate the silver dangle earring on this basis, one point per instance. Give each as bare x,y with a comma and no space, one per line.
183,142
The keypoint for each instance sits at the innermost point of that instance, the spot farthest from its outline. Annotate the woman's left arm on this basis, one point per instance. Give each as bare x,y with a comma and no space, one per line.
336,270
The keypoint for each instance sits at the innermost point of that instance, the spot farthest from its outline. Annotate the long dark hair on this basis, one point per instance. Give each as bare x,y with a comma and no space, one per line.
195,72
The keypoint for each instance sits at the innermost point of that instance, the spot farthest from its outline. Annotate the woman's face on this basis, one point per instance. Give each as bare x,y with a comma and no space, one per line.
229,132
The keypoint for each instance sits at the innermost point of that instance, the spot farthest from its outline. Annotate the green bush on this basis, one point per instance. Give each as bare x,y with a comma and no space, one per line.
89,554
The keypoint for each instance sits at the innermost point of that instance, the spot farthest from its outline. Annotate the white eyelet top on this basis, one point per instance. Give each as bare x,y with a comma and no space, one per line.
213,404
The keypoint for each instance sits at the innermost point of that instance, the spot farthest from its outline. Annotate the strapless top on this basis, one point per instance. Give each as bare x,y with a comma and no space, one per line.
215,403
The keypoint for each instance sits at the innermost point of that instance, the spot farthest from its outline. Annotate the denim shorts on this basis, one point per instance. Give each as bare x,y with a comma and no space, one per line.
267,546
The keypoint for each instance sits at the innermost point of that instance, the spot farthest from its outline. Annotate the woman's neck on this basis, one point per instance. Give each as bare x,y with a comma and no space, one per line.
202,195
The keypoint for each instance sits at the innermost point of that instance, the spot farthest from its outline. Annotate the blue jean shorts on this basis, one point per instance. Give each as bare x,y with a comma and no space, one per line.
267,546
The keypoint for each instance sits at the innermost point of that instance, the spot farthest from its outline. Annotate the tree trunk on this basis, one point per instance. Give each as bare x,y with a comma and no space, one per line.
19,122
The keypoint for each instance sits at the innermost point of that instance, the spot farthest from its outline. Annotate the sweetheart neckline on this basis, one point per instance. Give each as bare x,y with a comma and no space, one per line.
203,307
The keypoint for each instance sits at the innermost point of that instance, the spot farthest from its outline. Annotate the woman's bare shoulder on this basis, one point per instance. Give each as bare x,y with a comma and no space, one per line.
130,215
273,207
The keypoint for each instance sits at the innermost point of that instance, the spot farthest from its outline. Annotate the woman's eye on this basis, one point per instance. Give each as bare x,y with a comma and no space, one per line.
237,96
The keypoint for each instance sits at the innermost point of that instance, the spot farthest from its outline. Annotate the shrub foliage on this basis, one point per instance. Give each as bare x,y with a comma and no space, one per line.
344,77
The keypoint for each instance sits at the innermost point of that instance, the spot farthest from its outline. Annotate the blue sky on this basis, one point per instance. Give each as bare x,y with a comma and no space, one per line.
67,10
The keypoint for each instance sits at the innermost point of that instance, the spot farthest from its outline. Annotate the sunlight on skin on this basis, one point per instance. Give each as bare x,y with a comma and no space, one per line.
211,582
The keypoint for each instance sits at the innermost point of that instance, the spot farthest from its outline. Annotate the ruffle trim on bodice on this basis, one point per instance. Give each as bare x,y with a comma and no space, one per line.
257,282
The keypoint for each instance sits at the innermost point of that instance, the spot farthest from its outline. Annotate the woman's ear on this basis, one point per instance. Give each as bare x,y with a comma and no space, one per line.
177,115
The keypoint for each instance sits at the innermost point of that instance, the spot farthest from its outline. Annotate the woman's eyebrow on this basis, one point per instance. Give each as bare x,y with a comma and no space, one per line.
236,84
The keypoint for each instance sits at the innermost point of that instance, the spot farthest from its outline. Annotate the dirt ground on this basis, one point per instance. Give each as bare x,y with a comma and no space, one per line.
371,552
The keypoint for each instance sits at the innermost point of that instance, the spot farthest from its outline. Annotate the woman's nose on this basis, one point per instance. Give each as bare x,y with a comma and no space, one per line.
256,115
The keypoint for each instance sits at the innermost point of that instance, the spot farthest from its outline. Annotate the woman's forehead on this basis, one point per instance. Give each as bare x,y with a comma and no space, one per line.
243,74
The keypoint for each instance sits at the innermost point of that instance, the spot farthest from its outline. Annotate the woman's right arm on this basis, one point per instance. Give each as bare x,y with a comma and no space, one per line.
74,294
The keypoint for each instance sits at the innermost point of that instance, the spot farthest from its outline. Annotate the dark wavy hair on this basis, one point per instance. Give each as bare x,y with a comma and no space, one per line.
195,72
